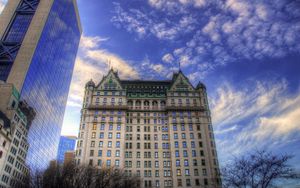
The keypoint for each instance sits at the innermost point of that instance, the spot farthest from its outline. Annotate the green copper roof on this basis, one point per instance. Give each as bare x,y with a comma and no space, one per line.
16,93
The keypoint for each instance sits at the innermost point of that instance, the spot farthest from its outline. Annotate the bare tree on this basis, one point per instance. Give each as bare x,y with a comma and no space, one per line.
83,176
260,169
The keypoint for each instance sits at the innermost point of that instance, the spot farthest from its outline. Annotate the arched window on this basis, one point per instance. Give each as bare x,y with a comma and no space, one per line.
155,104
138,104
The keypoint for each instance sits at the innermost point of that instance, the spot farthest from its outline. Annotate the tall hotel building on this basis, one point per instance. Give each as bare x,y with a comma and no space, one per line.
38,45
158,130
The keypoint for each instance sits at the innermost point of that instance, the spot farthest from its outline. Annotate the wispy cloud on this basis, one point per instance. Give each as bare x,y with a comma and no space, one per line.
92,62
218,32
2,4
263,115
143,24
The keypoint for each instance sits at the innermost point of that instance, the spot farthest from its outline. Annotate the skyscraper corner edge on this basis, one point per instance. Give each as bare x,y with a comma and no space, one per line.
77,15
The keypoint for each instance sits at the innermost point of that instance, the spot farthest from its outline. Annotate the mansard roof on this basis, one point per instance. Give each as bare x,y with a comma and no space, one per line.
179,82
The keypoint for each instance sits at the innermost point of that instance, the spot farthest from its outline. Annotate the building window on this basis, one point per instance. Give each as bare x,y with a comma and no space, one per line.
186,162
108,163
91,153
118,135
197,182
182,127
192,144
108,154
185,153
177,162
101,135
93,134
94,126
179,182
102,126
117,163
99,153
176,145
118,127
92,143
192,135
194,154
175,136
187,172
118,144
99,162
188,182
117,153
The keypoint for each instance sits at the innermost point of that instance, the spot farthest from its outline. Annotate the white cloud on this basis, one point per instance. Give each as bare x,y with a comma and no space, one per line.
263,115
231,106
91,63
168,58
2,4
91,42
143,24
219,32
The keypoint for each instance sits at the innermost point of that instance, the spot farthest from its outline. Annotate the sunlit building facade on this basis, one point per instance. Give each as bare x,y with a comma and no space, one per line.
38,45
159,130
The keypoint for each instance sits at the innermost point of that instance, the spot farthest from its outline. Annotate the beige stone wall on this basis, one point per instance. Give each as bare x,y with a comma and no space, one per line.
132,129
25,54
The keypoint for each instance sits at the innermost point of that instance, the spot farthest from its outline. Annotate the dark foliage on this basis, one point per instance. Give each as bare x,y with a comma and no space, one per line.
84,176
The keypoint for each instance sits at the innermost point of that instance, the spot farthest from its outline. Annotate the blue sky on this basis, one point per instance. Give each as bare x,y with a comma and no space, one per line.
247,52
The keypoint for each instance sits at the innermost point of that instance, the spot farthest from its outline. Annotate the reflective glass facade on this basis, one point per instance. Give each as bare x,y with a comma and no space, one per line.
48,79
65,144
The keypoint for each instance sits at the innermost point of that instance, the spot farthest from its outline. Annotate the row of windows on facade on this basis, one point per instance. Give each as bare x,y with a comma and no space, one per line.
155,120
188,114
166,164
146,120
169,183
167,173
138,154
165,114
123,93
147,164
146,136
147,129
146,145
130,102
15,173
146,104
18,165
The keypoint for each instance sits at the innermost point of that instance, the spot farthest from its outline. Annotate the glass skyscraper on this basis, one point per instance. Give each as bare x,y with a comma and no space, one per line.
66,143
38,47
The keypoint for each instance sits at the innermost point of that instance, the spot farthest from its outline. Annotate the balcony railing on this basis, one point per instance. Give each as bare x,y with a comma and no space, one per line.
107,107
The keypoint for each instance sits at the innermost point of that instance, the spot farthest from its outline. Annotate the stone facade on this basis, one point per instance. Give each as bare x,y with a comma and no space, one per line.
158,130
15,119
